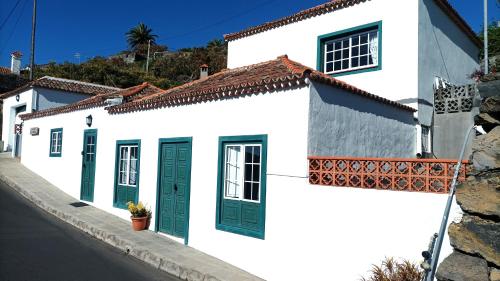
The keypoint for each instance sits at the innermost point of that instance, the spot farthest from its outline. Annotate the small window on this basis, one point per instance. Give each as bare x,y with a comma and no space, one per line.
127,172
242,185
242,174
56,142
352,50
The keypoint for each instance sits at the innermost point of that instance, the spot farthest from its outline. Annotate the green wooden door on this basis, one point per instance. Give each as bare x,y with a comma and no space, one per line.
88,165
173,209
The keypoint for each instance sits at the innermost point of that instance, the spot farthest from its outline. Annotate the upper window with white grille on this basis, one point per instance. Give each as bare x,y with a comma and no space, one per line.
357,49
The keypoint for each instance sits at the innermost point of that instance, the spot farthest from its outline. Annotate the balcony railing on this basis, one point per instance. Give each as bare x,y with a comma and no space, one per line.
422,175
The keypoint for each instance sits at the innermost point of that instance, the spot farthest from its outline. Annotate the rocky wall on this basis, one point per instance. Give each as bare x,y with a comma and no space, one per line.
476,238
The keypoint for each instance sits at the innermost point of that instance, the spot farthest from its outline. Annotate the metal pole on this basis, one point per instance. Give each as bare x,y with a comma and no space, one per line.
486,60
147,59
444,222
32,57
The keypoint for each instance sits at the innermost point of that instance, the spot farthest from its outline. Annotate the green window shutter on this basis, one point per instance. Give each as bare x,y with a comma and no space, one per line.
55,142
237,215
127,187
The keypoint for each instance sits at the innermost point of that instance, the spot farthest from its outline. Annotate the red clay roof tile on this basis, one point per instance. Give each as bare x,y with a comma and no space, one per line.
334,5
281,73
4,70
61,84
128,95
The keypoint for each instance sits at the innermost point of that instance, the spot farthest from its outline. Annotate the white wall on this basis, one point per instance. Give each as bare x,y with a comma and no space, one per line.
312,232
396,80
9,116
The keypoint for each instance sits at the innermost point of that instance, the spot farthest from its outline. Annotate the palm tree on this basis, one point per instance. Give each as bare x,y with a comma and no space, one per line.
140,35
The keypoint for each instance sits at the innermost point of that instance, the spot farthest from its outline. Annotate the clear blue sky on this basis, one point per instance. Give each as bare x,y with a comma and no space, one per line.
97,27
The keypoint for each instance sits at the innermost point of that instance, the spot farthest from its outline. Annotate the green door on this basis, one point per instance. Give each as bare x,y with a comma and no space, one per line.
174,189
88,165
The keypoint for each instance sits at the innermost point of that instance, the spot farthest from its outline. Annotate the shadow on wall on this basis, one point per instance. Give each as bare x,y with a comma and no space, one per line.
448,28
345,124
364,105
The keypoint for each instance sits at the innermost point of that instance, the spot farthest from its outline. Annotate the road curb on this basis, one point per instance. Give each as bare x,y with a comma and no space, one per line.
167,265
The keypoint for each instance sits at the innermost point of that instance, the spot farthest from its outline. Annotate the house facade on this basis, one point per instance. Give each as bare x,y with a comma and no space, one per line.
289,168
46,92
394,49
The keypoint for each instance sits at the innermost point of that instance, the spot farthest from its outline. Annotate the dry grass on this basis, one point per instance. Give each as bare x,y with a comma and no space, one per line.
393,270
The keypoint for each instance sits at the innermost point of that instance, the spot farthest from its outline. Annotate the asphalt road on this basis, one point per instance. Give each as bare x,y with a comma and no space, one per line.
35,245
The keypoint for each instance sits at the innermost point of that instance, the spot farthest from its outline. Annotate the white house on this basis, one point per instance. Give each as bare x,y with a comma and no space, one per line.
46,92
273,165
394,49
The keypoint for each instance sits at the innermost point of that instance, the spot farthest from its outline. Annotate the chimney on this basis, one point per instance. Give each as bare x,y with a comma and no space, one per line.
203,71
15,63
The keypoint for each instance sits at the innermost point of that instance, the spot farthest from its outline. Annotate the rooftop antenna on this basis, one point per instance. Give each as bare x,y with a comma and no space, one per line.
32,57
77,56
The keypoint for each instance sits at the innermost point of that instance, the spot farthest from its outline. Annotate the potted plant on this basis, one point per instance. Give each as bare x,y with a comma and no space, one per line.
149,215
139,215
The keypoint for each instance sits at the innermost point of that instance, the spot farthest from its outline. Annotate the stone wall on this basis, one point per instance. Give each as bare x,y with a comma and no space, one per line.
476,238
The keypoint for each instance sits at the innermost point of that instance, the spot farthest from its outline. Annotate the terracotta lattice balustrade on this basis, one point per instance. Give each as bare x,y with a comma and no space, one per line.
423,175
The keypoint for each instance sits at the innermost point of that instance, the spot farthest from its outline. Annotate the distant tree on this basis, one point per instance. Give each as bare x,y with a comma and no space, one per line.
493,40
140,35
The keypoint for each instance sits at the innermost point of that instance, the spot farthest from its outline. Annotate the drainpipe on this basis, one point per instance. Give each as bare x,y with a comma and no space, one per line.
439,241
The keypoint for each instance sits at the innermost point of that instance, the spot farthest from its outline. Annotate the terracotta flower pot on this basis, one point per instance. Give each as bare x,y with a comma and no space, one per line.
139,223
148,222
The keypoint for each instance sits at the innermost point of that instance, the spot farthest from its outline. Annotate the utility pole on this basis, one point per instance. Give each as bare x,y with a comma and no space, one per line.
77,56
486,60
32,57
147,59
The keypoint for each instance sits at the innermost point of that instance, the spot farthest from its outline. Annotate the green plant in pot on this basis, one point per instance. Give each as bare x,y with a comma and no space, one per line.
139,215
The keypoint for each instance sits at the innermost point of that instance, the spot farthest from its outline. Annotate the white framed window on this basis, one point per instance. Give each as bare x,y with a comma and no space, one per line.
56,142
127,165
352,52
242,172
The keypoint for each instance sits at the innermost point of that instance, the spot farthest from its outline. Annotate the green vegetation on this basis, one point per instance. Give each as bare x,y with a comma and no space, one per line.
393,270
493,40
166,69
140,35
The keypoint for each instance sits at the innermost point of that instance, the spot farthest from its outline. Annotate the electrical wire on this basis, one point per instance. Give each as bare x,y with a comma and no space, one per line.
9,15
220,21
14,27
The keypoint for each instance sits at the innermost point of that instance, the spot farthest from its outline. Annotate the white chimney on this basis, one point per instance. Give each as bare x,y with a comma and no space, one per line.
203,71
15,62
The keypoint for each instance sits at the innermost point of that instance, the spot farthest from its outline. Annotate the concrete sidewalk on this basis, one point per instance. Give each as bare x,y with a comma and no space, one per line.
157,250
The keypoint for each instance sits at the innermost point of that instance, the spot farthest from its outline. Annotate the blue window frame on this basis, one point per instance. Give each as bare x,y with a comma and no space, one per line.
241,185
350,51
127,170
56,142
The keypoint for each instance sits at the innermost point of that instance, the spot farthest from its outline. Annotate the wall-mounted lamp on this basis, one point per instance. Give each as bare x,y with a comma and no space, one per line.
89,120
17,97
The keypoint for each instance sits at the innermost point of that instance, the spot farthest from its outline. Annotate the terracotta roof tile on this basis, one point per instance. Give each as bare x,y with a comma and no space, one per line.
4,70
128,95
335,5
279,74
61,84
